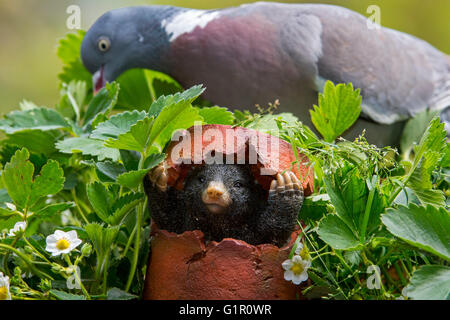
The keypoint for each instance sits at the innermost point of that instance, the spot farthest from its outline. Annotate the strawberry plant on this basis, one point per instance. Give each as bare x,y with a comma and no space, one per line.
74,222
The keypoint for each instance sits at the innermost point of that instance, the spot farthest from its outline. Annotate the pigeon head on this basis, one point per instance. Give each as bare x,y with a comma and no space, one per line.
123,39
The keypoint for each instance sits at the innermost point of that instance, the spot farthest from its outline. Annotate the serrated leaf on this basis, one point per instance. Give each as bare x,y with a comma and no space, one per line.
69,47
349,194
132,179
117,294
123,205
87,146
102,238
117,125
136,139
430,282
108,171
52,209
68,51
43,119
339,107
337,234
415,128
428,155
180,115
153,160
36,141
49,181
61,295
103,102
163,102
217,115
17,177
100,199
424,227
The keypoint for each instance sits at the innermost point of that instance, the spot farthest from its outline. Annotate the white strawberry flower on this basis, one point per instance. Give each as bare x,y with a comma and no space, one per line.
62,242
296,269
19,226
4,287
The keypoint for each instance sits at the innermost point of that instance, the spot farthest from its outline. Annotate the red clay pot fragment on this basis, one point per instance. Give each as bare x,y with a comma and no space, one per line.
273,155
182,267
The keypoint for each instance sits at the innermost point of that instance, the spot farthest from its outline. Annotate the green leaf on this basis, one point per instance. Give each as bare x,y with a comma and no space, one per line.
140,87
428,155
108,171
103,102
337,234
102,238
100,199
153,160
117,125
36,141
187,96
43,119
314,207
430,283
17,177
424,227
339,107
117,294
88,146
52,209
123,205
415,128
216,115
49,181
180,115
61,295
132,179
268,123
349,194
136,139
68,51
73,96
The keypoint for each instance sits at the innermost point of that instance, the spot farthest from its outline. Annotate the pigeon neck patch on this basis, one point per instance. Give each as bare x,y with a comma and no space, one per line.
187,21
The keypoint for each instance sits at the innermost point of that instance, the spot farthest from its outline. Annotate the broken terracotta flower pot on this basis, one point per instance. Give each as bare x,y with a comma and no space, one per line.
267,154
184,266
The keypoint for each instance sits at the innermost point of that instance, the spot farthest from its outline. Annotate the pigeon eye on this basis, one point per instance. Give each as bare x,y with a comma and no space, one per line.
103,44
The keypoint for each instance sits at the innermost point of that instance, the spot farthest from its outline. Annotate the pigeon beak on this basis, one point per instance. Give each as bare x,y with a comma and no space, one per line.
98,80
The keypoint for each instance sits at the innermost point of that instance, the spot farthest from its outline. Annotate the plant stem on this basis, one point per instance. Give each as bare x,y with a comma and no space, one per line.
368,208
37,252
26,260
77,277
74,195
139,215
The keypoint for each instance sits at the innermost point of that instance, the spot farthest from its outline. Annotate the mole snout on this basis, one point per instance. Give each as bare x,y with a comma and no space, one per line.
216,197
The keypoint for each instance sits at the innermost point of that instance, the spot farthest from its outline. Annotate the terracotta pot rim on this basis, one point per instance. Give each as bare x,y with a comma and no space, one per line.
199,235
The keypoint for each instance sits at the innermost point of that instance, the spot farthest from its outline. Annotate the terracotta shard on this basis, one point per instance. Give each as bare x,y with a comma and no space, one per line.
182,267
267,154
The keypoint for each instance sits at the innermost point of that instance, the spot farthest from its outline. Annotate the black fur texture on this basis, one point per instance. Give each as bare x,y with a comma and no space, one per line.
252,216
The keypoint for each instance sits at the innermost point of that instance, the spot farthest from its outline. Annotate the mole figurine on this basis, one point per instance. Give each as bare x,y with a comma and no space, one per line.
225,201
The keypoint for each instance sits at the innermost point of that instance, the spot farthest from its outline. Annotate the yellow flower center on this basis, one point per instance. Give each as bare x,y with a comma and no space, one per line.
62,244
3,293
297,268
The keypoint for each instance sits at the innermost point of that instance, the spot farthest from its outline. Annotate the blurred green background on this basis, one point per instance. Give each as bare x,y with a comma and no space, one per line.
29,30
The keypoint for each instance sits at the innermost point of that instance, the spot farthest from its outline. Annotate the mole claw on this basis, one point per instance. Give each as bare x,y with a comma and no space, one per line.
288,181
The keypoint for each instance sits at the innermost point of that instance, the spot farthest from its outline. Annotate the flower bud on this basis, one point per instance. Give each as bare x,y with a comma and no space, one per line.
86,250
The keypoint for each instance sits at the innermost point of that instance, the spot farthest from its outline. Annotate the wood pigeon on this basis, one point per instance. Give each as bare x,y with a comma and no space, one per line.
256,53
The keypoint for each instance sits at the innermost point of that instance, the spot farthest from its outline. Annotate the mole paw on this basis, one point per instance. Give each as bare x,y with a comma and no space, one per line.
158,177
286,186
